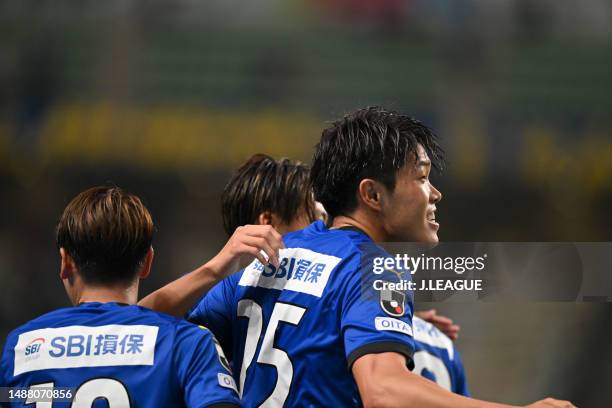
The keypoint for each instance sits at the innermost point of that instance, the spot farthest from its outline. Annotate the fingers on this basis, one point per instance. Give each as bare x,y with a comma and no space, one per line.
442,320
452,331
443,323
559,403
446,326
265,239
261,249
426,315
265,231
552,403
272,237
259,254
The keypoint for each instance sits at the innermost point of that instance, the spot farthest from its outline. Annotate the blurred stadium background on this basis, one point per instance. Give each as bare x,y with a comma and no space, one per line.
166,98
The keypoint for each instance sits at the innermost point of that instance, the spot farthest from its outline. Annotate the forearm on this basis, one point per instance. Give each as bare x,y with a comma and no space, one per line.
385,381
250,242
412,391
178,296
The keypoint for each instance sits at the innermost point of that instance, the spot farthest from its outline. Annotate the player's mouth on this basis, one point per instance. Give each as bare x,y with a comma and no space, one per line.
431,220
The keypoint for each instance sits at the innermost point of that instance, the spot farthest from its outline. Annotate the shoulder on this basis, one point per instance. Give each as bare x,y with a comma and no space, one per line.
191,339
336,249
180,328
189,331
319,238
150,314
185,326
27,333
50,319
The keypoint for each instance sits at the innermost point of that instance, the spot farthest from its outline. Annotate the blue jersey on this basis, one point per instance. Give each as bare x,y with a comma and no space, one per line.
293,332
436,358
118,356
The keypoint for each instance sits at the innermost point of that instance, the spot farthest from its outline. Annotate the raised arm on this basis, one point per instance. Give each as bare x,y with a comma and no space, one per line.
384,381
247,243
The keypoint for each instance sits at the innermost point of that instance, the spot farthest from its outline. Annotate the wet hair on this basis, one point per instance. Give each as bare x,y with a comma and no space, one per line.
264,184
370,143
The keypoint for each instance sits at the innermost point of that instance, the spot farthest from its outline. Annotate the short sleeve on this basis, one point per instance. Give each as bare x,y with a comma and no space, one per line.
215,311
4,367
7,363
203,370
374,319
460,380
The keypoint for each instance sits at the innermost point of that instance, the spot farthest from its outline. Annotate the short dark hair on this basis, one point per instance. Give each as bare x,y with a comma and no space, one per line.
369,143
264,184
108,233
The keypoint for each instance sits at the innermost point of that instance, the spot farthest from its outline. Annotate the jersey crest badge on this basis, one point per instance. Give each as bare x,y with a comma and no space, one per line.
392,302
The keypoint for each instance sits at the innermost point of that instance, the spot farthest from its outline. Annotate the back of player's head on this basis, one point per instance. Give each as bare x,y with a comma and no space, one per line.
370,143
107,232
264,184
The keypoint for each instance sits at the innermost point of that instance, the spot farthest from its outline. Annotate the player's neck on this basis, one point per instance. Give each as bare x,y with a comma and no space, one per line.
127,295
362,223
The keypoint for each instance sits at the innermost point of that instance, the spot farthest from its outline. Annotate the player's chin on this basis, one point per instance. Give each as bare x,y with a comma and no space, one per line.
433,239
431,233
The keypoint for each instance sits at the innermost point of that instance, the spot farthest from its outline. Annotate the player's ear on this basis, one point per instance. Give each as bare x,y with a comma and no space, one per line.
266,218
270,218
369,192
148,262
67,265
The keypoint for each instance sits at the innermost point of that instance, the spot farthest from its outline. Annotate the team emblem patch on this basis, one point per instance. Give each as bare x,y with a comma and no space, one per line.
392,302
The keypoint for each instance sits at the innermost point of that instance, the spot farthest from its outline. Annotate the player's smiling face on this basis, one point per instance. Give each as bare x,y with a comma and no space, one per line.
409,211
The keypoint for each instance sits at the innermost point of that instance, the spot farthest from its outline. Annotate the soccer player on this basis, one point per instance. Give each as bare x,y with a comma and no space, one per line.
312,330
277,193
107,348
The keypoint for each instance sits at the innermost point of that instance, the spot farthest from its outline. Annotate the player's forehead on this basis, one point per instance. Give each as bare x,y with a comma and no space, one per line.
422,158
417,161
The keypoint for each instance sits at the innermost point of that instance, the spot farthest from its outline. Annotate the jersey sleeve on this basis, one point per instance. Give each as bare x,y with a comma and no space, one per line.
460,387
4,365
215,311
203,370
7,362
374,321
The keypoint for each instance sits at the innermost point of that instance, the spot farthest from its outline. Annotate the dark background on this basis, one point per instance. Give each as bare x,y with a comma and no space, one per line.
166,98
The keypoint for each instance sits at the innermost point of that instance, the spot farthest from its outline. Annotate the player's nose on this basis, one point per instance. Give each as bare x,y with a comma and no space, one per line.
435,195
